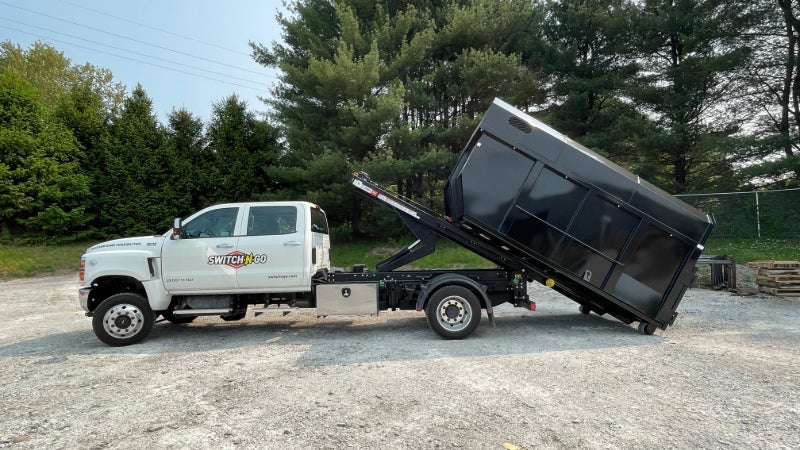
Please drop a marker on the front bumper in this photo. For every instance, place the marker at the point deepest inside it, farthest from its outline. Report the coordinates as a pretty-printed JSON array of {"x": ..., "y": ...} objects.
[{"x": 83, "y": 298}]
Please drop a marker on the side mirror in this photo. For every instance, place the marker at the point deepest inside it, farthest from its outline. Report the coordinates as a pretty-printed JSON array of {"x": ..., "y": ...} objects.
[{"x": 176, "y": 229}]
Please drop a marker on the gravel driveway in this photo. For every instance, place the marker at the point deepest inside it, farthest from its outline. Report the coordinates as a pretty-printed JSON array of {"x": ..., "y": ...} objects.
[{"x": 725, "y": 375}]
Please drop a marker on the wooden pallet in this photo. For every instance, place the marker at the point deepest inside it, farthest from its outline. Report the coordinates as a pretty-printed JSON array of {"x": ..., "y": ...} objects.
[
  {"x": 781, "y": 292},
  {"x": 774, "y": 264},
  {"x": 781, "y": 278},
  {"x": 779, "y": 284},
  {"x": 790, "y": 278},
  {"x": 778, "y": 272}
]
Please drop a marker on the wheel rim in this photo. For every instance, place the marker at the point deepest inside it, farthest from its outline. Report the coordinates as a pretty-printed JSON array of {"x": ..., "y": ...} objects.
[
  {"x": 454, "y": 313},
  {"x": 123, "y": 321}
]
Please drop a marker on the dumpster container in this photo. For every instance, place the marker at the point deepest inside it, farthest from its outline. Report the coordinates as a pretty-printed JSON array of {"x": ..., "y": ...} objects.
[{"x": 608, "y": 239}]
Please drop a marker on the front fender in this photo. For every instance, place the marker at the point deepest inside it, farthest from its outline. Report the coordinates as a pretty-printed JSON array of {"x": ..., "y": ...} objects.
[
  {"x": 135, "y": 264},
  {"x": 157, "y": 296}
]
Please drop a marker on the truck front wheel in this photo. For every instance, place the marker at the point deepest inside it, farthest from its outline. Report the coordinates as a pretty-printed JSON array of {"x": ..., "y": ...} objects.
[
  {"x": 122, "y": 319},
  {"x": 453, "y": 312}
]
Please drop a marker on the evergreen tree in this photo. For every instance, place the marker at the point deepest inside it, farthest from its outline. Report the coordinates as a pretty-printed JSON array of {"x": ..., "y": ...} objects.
[
  {"x": 774, "y": 80},
  {"x": 193, "y": 159},
  {"x": 244, "y": 150},
  {"x": 133, "y": 187},
  {"x": 54, "y": 76},
  {"x": 691, "y": 53},
  {"x": 394, "y": 88},
  {"x": 41, "y": 187},
  {"x": 589, "y": 56}
]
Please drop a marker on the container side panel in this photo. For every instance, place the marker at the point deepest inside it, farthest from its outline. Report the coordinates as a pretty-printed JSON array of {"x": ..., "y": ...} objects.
[
  {"x": 648, "y": 267},
  {"x": 584, "y": 262},
  {"x": 672, "y": 213},
  {"x": 542, "y": 144},
  {"x": 491, "y": 180},
  {"x": 598, "y": 236},
  {"x": 603, "y": 226},
  {"x": 553, "y": 199},
  {"x": 598, "y": 172},
  {"x": 533, "y": 233}
]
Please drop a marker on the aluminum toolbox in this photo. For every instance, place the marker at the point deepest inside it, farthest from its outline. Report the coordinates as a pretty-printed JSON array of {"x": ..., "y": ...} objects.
[
  {"x": 611, "y": 241},
  {"x": 347, "y": 299}
]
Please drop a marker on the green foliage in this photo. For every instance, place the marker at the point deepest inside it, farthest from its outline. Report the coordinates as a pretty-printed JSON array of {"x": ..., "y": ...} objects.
[
  {"x": 744, "y": 250},
  {"x": 135, "y": 175},
  {"x": 194, "y": 161},
  {"x": 42, "y": 190},
  {"x": 54, "y": 76},
  {"x": 391, "y": 88},
  {"x": 588, "y": 53},
  {"x": 692, "y": 95},
  {"x": 242, "y": 150},
  {"x": 692, "y": 51}
]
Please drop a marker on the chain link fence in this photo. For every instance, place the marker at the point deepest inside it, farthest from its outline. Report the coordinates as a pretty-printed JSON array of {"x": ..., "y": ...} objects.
[{"x": 767, "y": 214}]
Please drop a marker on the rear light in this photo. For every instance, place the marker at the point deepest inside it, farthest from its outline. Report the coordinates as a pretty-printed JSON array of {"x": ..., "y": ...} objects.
[{"x": 82, "y": 270}]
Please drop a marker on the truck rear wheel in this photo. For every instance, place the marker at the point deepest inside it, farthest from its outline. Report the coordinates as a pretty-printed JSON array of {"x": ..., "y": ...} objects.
[
  {"x": 453, "y": 312},
  {"x": 122, "y": 319}
]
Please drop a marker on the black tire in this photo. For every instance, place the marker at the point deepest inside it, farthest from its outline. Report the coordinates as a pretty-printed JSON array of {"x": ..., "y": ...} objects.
[
  {"x": 170, "y": 317},
  {"x": 647, "y": 328},
  {"x": 453, "y": 312},
  {"x": 122, "y": 319},
  {"x": 584, "y": 309}
]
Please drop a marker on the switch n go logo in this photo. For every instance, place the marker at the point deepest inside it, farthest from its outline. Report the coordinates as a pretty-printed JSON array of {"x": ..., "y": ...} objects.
[{"x": 237, "y": 259}]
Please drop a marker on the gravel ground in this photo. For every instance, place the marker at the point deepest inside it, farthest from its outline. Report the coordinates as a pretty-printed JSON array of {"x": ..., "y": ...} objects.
[{"x": 725, "y": 375}]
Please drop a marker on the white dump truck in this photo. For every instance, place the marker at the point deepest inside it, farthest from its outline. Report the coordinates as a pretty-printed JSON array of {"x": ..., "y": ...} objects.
[{"x": 540, "y": 206}]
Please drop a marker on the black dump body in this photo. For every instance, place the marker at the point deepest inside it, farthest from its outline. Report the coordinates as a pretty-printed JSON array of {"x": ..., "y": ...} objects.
[{"x": 609, "y": 240}]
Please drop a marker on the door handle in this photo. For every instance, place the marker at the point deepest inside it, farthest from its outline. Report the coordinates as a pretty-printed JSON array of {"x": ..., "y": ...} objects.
[
  {"x": 292, "y": 243},
  {"x": 225, "y": 245}
]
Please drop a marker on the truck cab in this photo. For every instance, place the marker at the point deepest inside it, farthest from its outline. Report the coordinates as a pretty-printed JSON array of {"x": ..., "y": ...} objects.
[
  {"x": 215, "y": 262},
  {"x": 246, "y": 248}
]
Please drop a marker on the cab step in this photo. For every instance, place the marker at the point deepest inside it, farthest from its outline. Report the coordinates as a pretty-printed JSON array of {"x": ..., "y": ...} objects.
[
  {"x": 285, "y": 310},
  {"x": 202, "y": 312}
]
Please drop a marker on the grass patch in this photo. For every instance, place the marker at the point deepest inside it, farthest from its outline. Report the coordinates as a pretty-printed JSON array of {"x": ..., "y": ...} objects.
[
  {"x": 745, "y": 250},
  {"x": 447, "y": 256},
  {"x": 21, "y": 261}
]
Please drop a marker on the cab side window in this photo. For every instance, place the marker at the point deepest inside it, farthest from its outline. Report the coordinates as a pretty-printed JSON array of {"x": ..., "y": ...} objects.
[
  {"x": 319, "y": 223},
  {"x": 271, "y": 220},
  {"x": 215, "y": 223}
]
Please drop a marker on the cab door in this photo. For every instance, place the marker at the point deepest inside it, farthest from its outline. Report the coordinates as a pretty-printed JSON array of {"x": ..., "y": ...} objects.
[
  {"x": 204, "y": 258},
  {"x": 276, "y": 247}
]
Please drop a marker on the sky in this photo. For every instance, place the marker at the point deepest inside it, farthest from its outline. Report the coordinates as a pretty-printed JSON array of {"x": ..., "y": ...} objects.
[{"x": 185, "y": 53}]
